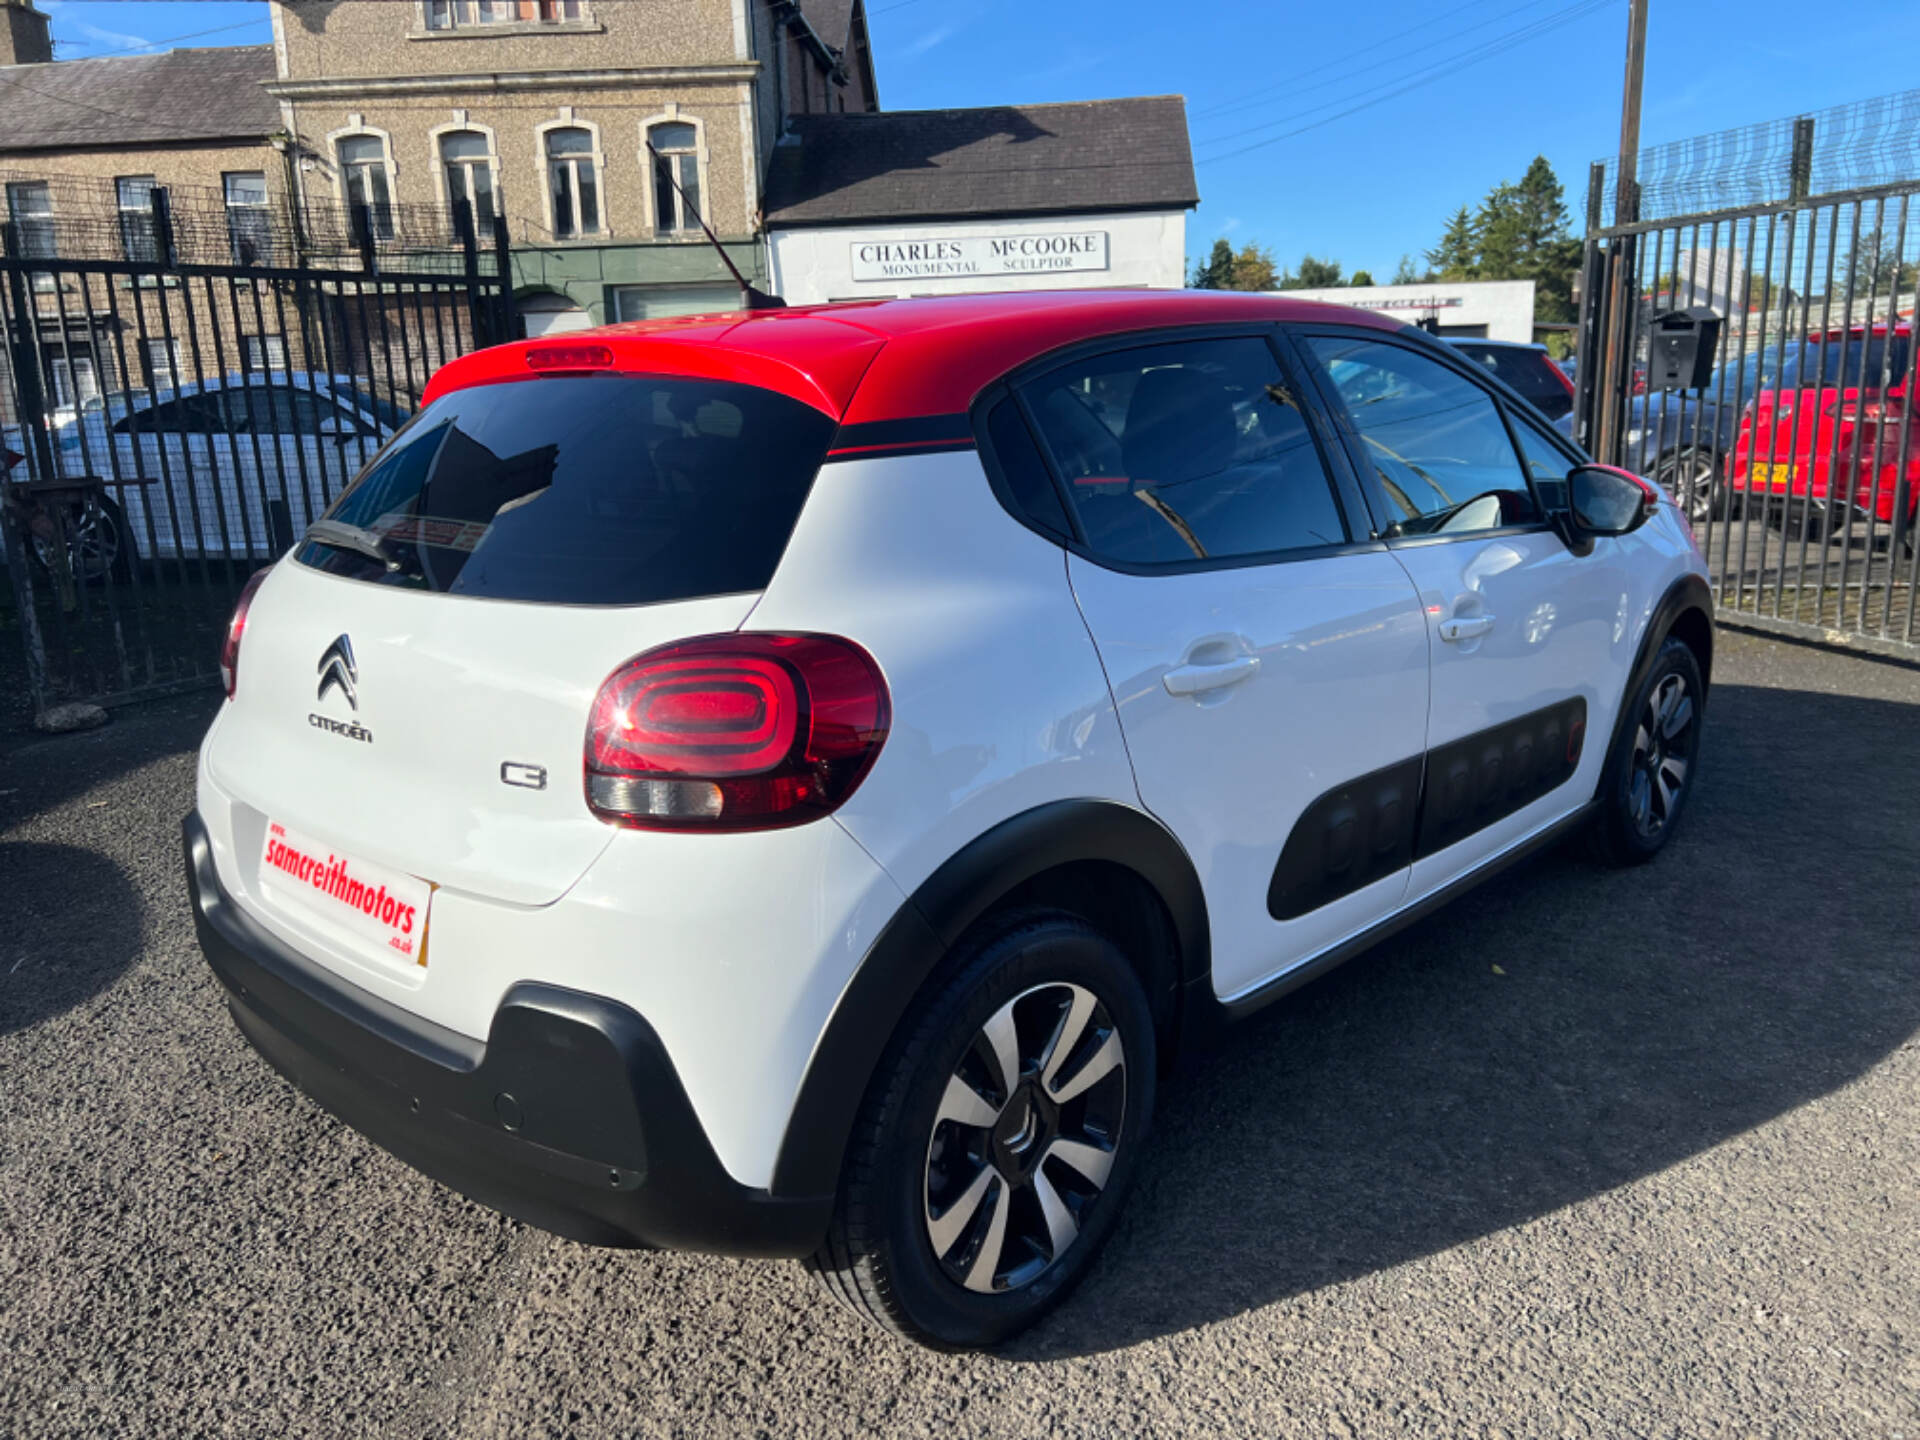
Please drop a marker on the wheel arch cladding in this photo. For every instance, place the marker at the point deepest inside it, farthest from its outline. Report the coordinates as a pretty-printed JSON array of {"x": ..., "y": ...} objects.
[
  {"x": 1068, "y": 850},
  {"x": 1684, "y": 612}
]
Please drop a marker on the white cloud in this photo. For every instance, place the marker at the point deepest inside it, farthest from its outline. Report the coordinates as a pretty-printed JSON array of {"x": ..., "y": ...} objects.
[{"x": 936, "y": 36}]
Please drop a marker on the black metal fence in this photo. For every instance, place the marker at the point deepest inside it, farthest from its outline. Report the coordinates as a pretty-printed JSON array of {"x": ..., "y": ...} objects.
[
  {"x": 1795, "y": 446},
  {"x": 170, "y": 425}
]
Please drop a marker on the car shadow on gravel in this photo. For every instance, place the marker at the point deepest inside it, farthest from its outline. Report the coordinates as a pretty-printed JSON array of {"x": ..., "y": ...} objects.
[
  {"x": 40, "y": 773},
  {"x": 1560, "y": 1033},
  {"x": 74, "y": 924}
]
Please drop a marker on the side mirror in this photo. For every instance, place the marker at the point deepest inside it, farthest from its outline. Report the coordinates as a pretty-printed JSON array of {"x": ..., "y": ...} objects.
[{"x": 1603, "y": 500}]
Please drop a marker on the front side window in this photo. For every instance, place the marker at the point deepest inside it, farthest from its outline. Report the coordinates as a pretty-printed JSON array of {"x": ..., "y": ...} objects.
[
  {"x": 363, "y": 171},
  {"x": 1434, "y": 440},
  {"x": 30, "y": 208},
  {"x": 137, "y": 239},
  {"x": 264, "y": 352},
  {"x": 468, "y": 14},
  {"x": 1197, "y": 450},
  {"x": 468, "y": 159},
  {"x": 675, "y": 154},
  {"x": 1547, "y": 465},
  {"x": 75, "y": 380},
  {"x": 573, "y": 182},
  {"x": 162, "y": 357},
  {"x": 249, "y": 224}
]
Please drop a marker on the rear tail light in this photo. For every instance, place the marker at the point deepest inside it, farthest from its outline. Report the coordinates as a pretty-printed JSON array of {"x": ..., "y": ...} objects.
[
  {"x": 236, "y": 627},
  {"x": 734, "y": 732},
  {"x": 9, "y": 459}
]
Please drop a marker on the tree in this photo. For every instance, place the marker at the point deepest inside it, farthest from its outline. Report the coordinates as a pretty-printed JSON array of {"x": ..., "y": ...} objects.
[
  {"x": 1253, "y": 269},
  {"x": 1457, "y": 256},
  {"x": 1875, "y": 268},
  {"x": 1315, "y": 274},
  {"x": 1518, "y": 232},
  {"x": 1361, "y": 277},
  {"x": 1216, "y": 271},
  {"x": 1404, "y": 273}
]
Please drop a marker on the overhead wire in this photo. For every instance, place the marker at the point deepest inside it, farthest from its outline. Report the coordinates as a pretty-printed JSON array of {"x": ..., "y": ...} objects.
[{"x": 1392, "y": 89}]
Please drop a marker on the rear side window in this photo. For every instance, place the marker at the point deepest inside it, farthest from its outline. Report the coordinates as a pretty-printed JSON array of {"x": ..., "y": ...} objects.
[
  {"x": 1029, "y": 485},
  {"x": 599, "y": 490},
  {"x": 1196, "y": 450}
]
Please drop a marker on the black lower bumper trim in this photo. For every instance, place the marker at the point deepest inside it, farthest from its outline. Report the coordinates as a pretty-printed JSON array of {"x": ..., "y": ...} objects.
[{"x": 570, "y": 1117}]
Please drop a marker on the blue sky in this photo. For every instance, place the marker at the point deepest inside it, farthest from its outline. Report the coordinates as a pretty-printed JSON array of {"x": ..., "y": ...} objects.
[{"x": 1363, "y": 188}]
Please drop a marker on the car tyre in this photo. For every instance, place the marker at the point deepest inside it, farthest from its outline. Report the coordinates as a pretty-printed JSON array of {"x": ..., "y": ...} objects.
[
  {"x": 1692, "y": 477},
  {"x": 971, "y": 1204},
  {"x": 1655, "y": 761}
]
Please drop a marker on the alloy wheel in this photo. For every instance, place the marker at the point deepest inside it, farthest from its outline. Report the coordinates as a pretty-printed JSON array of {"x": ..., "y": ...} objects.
[
  {"x": 1693, "y": 479},
  {"x": 1662, "y": 756},
  {"x": 1025, "y": 1138}
]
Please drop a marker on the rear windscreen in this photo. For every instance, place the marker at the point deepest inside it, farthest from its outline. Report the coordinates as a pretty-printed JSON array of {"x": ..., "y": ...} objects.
[
  {"x": 1531, "y": 372},
  {"x": 583, "y": 490}
]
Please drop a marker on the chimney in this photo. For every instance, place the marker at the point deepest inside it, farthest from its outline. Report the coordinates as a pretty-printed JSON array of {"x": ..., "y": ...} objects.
[{"x": 26, "y": 35}]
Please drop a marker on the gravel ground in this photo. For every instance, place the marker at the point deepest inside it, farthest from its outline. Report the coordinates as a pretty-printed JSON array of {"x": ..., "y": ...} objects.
[{"x": 1587, "y": 1154}]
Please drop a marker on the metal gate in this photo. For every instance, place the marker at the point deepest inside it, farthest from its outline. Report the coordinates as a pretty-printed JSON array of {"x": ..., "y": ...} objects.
[
  {"x": 167, "y": 427},
  {"x": 1798, "y": 458}
]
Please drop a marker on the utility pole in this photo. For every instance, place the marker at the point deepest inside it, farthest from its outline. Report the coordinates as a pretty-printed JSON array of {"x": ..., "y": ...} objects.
[{"x": 1626, "y": 210}]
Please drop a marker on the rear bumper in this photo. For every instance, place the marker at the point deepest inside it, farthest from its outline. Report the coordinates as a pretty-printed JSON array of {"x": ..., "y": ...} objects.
[{"x": 570, "y": 1116}]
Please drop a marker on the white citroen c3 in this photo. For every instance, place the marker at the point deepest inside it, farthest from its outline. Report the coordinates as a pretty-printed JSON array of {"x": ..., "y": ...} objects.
[{"x": 786, "y": 783}]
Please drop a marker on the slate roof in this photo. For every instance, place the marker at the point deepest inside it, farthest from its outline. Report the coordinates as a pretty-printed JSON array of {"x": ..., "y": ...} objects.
[
  {"x": 1094, "y": 155},
  {"x": 832, "y": 20},
  {"x": 210, "y": 93}
]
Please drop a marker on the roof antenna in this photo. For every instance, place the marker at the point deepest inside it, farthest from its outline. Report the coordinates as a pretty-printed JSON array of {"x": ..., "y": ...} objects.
[{"x": 757, "y": 299}]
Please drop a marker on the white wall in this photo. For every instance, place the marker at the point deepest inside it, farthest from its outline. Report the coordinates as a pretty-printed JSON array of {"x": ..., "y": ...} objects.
[
  {"x": 816, "y": 264},
  {"x": 1505, "y": 307}
]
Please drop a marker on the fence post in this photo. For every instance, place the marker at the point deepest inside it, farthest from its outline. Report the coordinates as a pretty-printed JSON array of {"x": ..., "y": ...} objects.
[
  {"x": 160, "y": 217},
  {"x": 503, "y": 272},
  {"x": 1800, "y": 165},
  {"x": 16, "y": 313},
  {"x": 469, "y": 266},
  {"x": 360, "y": 224},
  {"x": 1590, "y": 340}
]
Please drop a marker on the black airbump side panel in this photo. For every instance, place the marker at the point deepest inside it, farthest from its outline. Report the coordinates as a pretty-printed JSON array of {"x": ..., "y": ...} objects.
[
  {"x": 1484, "y": 777},
  {"x": 1349, "y": 837}
]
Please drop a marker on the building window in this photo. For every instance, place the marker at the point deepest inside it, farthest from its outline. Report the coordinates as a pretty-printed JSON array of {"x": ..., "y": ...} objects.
[
  {"x": 465, "y": 14},
  {"x": 162, "y": 364},
  {"x": 573, "y": 182},
  {"x": 137, "y": 240},
  {"x": 676, "y": 158},
  {"x": 261, "y": 353},
  {"x": 30, "y": 207},
  {"x": 468, "y": 158},
  {"x": 75, "y": 381},
  {"x": 249, "y": 227},
  {"x": 363, "y": 174}
]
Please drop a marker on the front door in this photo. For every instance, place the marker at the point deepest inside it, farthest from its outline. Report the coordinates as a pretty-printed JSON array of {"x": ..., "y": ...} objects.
[
  {"x": 1269, "y": 668},
  {"x": 1527, "y": 637}
]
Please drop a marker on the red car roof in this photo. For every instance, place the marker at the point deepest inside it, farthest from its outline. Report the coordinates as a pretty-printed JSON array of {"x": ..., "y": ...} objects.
[{"x": 871, "y": 360}]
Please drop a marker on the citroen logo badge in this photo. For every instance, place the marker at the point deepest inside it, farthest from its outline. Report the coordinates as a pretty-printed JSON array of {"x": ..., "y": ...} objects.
[{"x": 338, "y": 672}]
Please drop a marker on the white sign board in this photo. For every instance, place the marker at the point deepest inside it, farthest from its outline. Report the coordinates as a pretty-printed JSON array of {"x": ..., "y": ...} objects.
[{"x": 965, "y": 255}]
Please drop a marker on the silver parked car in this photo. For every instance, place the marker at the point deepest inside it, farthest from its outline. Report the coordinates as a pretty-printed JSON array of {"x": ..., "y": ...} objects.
[{"x": 198, "y": 469}]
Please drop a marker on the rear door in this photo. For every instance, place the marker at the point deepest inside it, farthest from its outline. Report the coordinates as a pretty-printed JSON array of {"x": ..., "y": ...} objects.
[
  {"x": 1269, "y": 661},
  {"x": 1529, "y": 641},
  {"x": 541, "y": 532}
]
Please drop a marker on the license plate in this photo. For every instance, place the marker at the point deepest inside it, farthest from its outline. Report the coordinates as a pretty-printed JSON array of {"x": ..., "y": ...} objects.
[
  {"x": 383, "y": 910},
  {"x": 1776, "y": 477}
]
